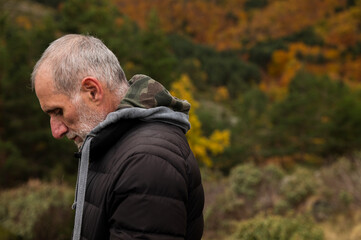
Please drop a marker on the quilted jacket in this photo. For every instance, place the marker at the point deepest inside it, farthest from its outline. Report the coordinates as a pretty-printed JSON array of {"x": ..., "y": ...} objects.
[{"x": 143, "y": 181}]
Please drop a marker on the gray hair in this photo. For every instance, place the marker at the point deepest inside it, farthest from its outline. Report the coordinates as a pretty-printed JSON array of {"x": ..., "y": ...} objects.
[{"x": 73, "y": 57}]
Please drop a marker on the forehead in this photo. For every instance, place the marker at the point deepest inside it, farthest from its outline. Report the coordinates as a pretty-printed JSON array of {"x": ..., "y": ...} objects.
[
  {"x": 48, "y": 97},
  {"x": 44, "y": 79}
]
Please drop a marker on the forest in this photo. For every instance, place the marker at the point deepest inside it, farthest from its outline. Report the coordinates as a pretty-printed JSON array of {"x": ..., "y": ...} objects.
[{"x": 275, "y": 89}]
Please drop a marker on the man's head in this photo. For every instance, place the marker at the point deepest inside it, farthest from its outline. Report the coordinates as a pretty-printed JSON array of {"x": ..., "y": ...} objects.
[{"x": 78, "y": 81}]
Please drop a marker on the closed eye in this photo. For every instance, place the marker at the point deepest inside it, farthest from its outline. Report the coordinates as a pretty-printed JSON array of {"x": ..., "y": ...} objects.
[{"x": 55, "y": 112}]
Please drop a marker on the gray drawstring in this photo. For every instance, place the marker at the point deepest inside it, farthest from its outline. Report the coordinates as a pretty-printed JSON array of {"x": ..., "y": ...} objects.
[{"x": 81, "y": 189}]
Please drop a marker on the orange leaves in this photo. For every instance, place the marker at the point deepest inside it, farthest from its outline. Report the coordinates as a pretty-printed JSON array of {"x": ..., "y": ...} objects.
[
  {"x": 319, "y": 60},
  {"x": 342, "y": 30},
  {"x": 227, "y": 25},
  {"x": 282, "y": 18},
  {"x": 205, "y": 21}
]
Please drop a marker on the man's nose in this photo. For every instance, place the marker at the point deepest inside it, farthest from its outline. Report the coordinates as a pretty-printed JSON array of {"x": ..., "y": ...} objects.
[{"x": 58, "y": 129}]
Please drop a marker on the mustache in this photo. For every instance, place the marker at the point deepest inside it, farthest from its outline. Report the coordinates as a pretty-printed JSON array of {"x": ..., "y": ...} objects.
[{"x": 71, "y": 135}]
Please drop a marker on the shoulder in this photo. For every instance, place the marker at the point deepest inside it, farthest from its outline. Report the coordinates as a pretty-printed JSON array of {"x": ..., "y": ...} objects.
[
  {"x": 157, "y": 145},
  {"x": 154, "y": 137}
]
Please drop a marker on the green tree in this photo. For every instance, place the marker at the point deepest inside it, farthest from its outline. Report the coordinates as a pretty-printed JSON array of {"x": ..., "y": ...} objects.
[
  {"x": 300, "y": 121},
  {"x": 223, "y": 68},
  {"x": 156, "y": 58},
  {"x": 345, "y": 129},
  {"x": 92, "y": 17},
  {"x": 27, "y": 148}
]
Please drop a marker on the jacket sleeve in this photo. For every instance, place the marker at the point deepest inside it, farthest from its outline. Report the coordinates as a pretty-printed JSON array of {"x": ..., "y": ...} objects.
[{"x": 148, "y": 200}]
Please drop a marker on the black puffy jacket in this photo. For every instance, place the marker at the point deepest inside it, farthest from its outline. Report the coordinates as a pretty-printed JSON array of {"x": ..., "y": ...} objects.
[{"x": 143, "y": 183}]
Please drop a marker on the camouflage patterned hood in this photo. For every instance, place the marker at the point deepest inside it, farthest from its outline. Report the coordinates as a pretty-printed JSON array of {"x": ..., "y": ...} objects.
[
  {"x": 148, "y": 100},
  {"x": 145, "y": 92}
]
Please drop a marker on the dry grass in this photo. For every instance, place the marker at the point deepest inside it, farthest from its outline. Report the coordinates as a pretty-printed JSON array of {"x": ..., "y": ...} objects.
[{"x": 343, "y": 226}]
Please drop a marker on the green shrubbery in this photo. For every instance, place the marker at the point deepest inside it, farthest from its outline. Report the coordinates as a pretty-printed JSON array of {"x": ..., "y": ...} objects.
[
  {"x": 252, "y": 190},
  {"x": 297, "y": 187},
  {"x": 270, "y": 187},
  {"x": 37, "y": 211},
  {"x": 244, "y": 180},
  {"x": 277, "y": 228}
]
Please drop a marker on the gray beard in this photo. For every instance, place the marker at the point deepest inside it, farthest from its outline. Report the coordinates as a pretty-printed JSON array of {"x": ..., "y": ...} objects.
[{"x": 88, "y": 120}]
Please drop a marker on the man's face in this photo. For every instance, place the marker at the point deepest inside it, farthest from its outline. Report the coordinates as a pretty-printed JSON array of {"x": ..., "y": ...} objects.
[{"x": 72, "y": 118}]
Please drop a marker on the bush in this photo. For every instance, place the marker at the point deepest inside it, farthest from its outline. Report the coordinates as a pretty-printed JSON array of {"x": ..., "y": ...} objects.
[
  {"x": 23, "y": 207},
  {"x": 341, "y": 183},
  {"x": 244, "y": 179},
  {"x": 277, "y": 228},
  {"x": 298, "y": 186},
  {"x": 269, "y": 189}
]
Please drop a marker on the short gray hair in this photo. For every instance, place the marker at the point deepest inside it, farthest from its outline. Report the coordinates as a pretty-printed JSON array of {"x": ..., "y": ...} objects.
[{"x": 73, "y": 57}]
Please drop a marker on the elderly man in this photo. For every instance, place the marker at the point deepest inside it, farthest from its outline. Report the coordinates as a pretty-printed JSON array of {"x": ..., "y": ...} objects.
[{"x": 138, "y": 178}]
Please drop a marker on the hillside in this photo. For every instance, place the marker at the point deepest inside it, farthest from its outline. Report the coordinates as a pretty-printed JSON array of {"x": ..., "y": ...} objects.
[{"x": 280, "y": 36}]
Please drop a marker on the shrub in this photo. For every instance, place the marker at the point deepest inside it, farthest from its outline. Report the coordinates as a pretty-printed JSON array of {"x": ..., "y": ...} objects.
[
  {"x": 277, "y": 228},
  {"x": 269, "y": 189},
  {"x": 244, "y": 179},
  {"x": 23, "y": 207},
  {"x": 341, "y": 183},
  {"x": 298, "y": 186}
]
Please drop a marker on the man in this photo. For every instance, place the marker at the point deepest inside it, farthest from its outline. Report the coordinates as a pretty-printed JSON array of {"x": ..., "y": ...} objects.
[{"x": 138, "y": 178}]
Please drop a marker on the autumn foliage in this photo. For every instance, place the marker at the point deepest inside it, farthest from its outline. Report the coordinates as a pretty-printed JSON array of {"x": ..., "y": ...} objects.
[
  {"x": 274, "y": 85},
  {"x": 239, "y": 63},
  {"x": 201, "y": 145}
]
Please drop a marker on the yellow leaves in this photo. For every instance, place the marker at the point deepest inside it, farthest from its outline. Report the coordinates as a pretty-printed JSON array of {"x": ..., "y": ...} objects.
[
  {"x": 279, "y": 61},
  {"x": 183, "y": 89},
  {"x": 201, "y": 145},
  {"x": 218, "y": 141}
]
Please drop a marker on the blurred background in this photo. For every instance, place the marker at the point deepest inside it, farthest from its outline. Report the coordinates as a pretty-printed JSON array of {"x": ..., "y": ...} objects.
[{"x": 275, "y": 88}]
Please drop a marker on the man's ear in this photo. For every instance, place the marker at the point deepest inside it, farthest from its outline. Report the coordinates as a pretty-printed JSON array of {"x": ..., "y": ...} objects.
[{"x": 92, "y": 89}]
